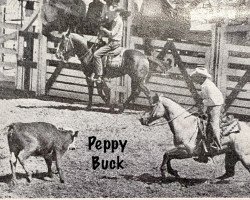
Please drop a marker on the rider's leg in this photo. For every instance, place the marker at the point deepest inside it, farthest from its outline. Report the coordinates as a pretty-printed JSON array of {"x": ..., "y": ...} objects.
[
  {"x": 215, "y": 112},
  {"x": 98, "y": 59}
]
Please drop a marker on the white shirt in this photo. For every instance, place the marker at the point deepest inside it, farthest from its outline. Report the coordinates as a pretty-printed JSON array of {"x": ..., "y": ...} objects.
[
  {"x": 211, "y": 95},
  {"x": 117, "y": 29}
]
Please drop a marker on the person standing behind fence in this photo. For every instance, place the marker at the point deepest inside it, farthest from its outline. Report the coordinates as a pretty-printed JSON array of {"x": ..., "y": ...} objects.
[
  {"x": 114, "y": 35},
  {"x": 94, "y": 16},
  {"x": 212, "y": 99}
]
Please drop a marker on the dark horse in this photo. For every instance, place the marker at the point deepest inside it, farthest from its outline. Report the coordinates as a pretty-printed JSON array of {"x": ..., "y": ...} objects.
[
  {"x": 187, "y": 140},
  {"x": 134, "y": 63}
]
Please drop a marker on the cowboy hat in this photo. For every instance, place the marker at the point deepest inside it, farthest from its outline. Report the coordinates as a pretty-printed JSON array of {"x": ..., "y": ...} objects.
[{"x": 200, "y": 71}]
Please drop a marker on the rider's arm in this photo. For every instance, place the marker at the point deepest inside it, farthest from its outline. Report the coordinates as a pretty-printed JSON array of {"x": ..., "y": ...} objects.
[{"x": 117, "y": 27}]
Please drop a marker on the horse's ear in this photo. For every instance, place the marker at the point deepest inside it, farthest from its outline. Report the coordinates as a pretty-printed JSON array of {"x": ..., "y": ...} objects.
[
  {"x": 155, "y": 98},
  {"x": 67, "y": 32}
]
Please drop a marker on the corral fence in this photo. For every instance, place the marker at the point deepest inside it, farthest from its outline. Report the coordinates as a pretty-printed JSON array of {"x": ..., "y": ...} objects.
[{"x": 37, "y": 70}]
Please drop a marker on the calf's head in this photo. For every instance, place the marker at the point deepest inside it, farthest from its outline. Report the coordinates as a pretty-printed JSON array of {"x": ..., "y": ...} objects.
[{"x": 72, "y": 137}]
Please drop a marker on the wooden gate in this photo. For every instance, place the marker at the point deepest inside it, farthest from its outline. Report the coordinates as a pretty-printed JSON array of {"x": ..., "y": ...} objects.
[
  {"x": 176, "y": 84},
  {"x": 234, "y": 78}
]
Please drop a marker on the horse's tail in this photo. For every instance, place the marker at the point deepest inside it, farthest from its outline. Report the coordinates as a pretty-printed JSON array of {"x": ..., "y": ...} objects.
[
  {"x": 154, "y": 63},
  {"x": 6, "y": 129}
]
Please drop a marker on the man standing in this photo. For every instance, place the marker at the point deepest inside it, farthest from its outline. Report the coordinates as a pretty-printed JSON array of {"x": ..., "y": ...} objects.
[
  {"x": 94, "y": 16},
  {"x": 114, "y": 35},
  {"x": 212, "y": 99}
]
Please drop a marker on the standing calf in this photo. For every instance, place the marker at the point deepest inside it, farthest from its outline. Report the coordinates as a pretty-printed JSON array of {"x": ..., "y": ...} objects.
[{"x": 38, "y": 139}]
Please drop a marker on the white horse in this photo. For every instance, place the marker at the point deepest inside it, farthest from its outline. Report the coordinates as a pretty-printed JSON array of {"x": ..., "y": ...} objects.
[{"x": 187, "y": 138}]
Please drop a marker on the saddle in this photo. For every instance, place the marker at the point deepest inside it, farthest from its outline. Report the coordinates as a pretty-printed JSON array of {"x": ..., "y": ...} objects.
[
  {"x": 228, "y": 125},
  {"x": 113, "y": 59}
]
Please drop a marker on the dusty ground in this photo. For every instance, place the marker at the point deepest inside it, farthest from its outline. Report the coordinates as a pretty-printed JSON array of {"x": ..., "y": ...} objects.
[{"x": 142, "y": 157}]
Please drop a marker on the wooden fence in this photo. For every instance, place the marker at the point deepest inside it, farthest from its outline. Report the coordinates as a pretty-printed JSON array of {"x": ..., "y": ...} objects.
[
  {"x": 68, "y": 81},
  {"x": 174, "y": 84},
  {"x": 235, "y": 78}
]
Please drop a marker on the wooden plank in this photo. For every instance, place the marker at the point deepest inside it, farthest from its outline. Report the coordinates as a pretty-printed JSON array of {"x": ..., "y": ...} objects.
[
  {"x": 20, "y": 70},
  {"x": 182, "y": 46},
  {"x": 231, "y": 84},
  {"x": 159, "y": 88},
  {"x": 33, "y": 35},
  {"x": 6, "y": 37},
  {"x": 196, "y": 60},
  {"x": 241, "y": 103},
  {"x": 142, "y": 100},
  {"x": 8, "y": 65},
  {"x": 70, "y": 87},
  {"x": 167, "y": 81},
  {"x": 27, "y": 63},
  {"x": 10, "y": 25},
  {"x": 238, "y": 60},
  {"x": 238, "y": 28},
  {"x": 237, "y": 110},
  {"x": 69, "y": 79},
  {"x": 67, "y": 72},
  {"x": 243, "y": 94},
  {"x": 235, "y": 92},
  {"x": 7, "y": 51},
  {"x": 238, "y": 48},
  {"x": 41, "y": 65},
  {"x": 53, "y": 78},
  {"x": 235, "y": 72}
]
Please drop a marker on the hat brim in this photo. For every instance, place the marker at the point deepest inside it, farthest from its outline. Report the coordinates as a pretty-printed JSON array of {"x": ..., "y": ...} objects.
[{"x": 196, "y": 74}]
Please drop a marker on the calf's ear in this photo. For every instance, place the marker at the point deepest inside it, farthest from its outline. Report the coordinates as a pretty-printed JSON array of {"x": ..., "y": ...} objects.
[{"x": 76, "y": 134}]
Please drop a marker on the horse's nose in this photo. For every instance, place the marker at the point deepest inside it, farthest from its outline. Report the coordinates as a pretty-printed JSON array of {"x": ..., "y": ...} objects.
[
  {"x": 143, "y": 121},
  {"x": 58, "y": 55}
]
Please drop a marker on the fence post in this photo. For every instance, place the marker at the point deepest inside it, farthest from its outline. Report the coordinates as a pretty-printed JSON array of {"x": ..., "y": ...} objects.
[
  {"x": 221, "y": 75},
  {"x": 42, "y": 54},
  {"x": 41, "y": 65}
]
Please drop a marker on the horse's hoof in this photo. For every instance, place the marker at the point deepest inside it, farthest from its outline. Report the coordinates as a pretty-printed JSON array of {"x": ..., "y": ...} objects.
[
  {"x": 88, "y": 108},
  {"x": 225, "y": 176},
  {"x": 112, "y": 109},
  {"x": 121, "y": 108},
  {"x": 13, "y": 182},
  {"x": 175, "y": 173},
  {"x": 48, "y": 179},
  {"x": 163, "y": 175}
]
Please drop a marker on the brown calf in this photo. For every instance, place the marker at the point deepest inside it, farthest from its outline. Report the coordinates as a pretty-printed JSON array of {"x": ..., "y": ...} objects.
[{"x": 38, "y": 139}]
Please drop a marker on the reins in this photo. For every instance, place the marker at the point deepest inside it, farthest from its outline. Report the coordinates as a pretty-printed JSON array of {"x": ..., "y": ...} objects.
[{"x": 168, "y": 121}]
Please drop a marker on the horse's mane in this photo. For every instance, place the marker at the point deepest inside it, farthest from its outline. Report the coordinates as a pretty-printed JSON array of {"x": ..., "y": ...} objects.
[
  {"x": 171, "y": 104},
  {"x": 79, "y": 39}
]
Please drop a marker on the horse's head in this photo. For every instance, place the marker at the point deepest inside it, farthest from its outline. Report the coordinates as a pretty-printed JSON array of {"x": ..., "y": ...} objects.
[
  {"x": 65, "y": 48},
  {"x": 157, "y": 111}
]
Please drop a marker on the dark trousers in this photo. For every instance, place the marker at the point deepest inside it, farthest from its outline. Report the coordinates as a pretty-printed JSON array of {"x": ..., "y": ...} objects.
[{"x": 101, "y": 52}]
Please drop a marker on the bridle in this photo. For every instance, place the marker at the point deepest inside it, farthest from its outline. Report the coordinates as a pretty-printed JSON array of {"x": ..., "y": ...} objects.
[
  {"x": 71, "y": 45},
  {"x": 168, "y": 121}
]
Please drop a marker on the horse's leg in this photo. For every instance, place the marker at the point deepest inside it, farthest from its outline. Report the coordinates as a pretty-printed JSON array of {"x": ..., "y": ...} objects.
[
  {"x": 100, "y": 90},
  {"x": 175, "y": 153},
  {"x": 145, "y": 90},
  {"x": 231, "y": 158},
  {"x": 134, "y": 93},
  {"x": 90, "y": 89}
]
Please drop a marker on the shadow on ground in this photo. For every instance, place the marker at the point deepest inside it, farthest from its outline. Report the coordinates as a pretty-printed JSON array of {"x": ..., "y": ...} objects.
[
  {"x": 7, "y": 178},
  {"x": 149, "y": 179}
]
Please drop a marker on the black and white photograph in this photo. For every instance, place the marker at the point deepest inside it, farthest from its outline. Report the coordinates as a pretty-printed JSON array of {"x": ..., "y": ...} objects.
[{"x": 124, "y": 99}]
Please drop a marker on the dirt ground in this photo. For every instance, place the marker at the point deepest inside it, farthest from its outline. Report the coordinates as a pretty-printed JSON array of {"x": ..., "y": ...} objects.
[{"x": 142, "y": 158}]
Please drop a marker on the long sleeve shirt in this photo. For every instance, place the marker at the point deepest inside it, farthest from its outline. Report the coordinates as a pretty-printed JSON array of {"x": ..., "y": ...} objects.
[
  {"x": 116, "y": 29},
  {"x": 211, "y": 95}
]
